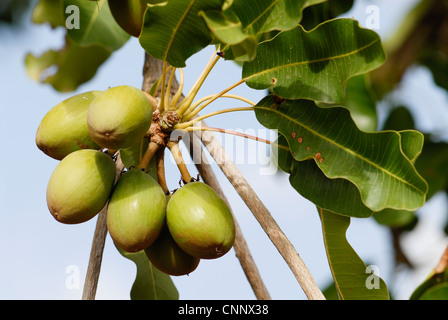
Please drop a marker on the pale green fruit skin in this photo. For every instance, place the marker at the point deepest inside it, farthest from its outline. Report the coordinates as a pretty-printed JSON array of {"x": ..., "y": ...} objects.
[
  {"x": 136, "y": 211},
  {"x": 166, "y": 256},
  {"x": 200, "y": 221},
  {"x": 80, "y": 186},
  {"x": 119, "y": 117},
  {"x": 64, "y": 128}
]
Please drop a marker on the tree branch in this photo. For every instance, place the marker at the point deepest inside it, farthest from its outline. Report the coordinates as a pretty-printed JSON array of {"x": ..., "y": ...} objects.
[{"x": 263, "y": 216}]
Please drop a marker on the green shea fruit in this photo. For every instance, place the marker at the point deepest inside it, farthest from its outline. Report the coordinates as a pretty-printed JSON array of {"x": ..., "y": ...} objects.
[
  {"x": 200, "y": 221},
  {"x": 166, "y": 256},
  {"x": 136, "y": 211},
  {"x": 129, "y": 14},
  {"x": 64, "y": 128},
  {"x": 80, "y": 186},
  {"x": 119, "y": 117}
]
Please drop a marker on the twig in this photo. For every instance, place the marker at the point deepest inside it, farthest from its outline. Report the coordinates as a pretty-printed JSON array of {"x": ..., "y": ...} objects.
[
  {"x": 241, "y": 248},
  {"x": 263, "y": 216},
  {"x": 149, "y": 153},
  {"x": 99, "y": 239}
]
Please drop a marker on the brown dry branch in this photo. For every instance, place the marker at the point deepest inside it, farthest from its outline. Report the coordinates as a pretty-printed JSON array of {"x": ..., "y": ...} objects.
[{"x": 263, "y": 216}]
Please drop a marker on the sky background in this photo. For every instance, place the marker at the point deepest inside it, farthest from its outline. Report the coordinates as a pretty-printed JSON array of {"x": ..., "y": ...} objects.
[{"x": 39, "y": 254}]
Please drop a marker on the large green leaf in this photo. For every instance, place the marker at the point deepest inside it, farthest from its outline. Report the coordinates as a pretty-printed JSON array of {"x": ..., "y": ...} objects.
[
  {"x": 353, "y": 280},
  {"x": 173, "y": 31},
  {"x": 240, "y": 26},
  {"x": 336, "y": 195},
  {"x": 314, "y": 64},
  {"x": 67, "y": 68},
  {"x": 373, "y": 162},
  {"x": 150, "y": 283},
  {"x": 97, "y": 26}
]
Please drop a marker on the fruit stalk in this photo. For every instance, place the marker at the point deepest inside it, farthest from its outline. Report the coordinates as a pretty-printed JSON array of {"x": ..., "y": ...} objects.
[
  {"x": 184, "y": 125},
  {"x": 177, "y": 155},
  {"x": 149, "y": 153},
  {"x": 160, "y": 163}
]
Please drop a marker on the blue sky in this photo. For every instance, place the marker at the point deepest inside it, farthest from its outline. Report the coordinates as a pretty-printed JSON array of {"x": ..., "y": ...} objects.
[{"x": 38, "y": 251}]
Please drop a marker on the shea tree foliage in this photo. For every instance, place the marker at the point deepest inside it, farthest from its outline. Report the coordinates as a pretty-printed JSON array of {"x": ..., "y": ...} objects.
[{"x": 323, "y": 77}]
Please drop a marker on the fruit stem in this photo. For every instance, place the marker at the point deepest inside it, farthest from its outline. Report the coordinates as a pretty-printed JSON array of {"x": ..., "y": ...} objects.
[
  {"x": 184, "y": 106},
  {"x": 216, "y": 96},
  {"x": 178, "y": 94},
  {"x": 160, "y": 163},
  {"x": 168, "y": 90},
  {"x": 177, "y": 155},
  {"x": 149, "y": 153},
  {"x": 162, "y": 94},
  {"x": 196, "y": 109},
  {"x": 191, "y": 122}
]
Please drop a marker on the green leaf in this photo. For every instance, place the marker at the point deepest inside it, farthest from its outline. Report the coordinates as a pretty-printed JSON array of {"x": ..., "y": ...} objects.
[
  {"x": 150, "y": 283},
  {"x": 336, "y": 195},
  {"x": 399, "y": 118},
  {"x": 228, "y": 31},
  {"x": 432, "y": 164},
  {"x": 97, "y": 26},
  {"x": 353, "y": 279},
  {"x": 361, "y": 103},
  {"x": 439, "y": 292},
  {"x": 240, "y": 29},
  {"x": 373, "y": 162},
  {"x": 316, "y": 64},
  {"x": 49, "y": 11},
  {"x": 395, "y": 218},
  {"x": 174, "y": 31},
  {"x": 67, "y": 68},
  {"x": 330, "y": 9}
]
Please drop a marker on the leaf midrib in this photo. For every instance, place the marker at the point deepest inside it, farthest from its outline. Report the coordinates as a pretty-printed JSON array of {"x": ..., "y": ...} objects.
[
  {"x": 342, "y": 147},
  {"x": 176, "y": 28},
  {"x": 262, "y": 14},
  {"x": 313, "y": 61},
  {"x": 92, "y": 20}
]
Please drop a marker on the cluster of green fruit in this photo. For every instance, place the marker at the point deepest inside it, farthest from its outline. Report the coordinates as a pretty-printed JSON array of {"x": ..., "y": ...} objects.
[{"x": 86, "y": 132}]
